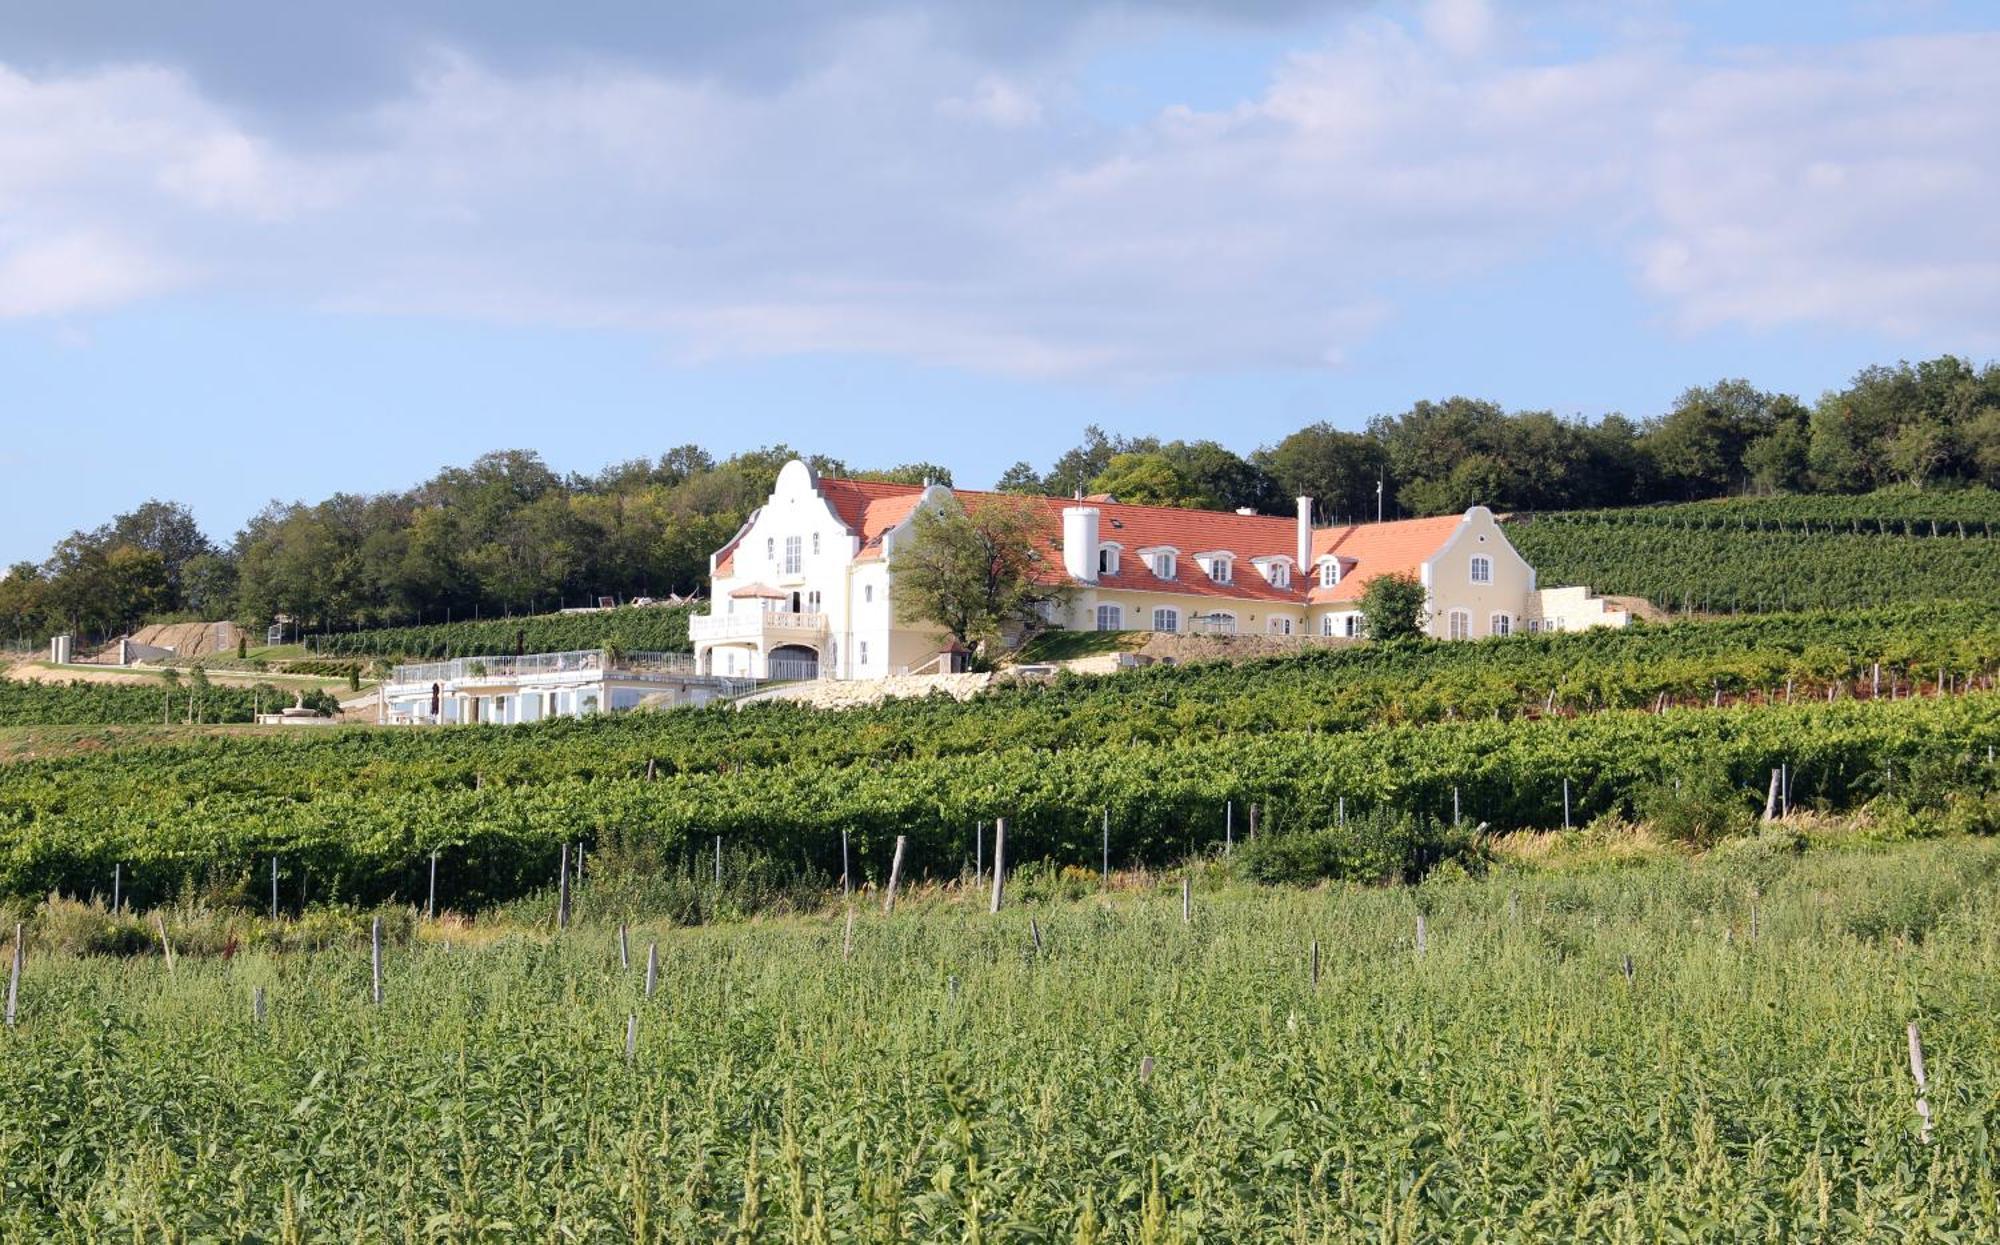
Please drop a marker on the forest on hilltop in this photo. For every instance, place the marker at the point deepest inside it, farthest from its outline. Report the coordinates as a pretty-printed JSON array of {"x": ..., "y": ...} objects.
[{"x": 508, "y": 534}]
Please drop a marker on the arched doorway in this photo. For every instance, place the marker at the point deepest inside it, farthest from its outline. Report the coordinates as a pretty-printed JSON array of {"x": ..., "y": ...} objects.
[{"x": 792, "y": 661}]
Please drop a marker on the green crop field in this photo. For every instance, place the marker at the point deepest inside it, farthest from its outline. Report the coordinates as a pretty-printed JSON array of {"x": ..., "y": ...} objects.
[
  {"x": 80, "y": 703},
  {"x": 1133, "y": 1078},
  {"x": 634, "y": 628},
  {"x": 1753, "y": 555},
  {"x": 1523, "y": 732}
]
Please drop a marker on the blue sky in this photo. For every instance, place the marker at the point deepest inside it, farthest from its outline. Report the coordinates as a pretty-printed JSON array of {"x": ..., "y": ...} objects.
[{"x": 246, "y": 255}]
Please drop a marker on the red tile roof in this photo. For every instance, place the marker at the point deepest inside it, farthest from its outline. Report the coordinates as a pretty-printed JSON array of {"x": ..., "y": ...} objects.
[
  {"x": 870, "y": 509},
  {"x": 1377, "y": 549}
]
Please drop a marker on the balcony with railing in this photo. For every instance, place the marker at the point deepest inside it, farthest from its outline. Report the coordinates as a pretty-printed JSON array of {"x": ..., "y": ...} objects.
[{"x": 769, "y": 626}]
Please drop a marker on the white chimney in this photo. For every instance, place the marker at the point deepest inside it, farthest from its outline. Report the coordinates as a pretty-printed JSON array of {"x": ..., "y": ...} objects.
[
  {"x": 1080, "y": 542},
  {"x": 1305, "y": 534}
]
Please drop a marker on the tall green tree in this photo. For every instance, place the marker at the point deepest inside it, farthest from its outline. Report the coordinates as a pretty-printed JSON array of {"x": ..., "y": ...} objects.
[
  {"x": 973, "y": 572},
  {"x": 1151, "y": 480},
  {"x": 1337, "y": 469}
]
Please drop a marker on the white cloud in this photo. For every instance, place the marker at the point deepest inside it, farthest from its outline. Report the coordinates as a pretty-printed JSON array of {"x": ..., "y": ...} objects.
[
  {"x": 904, "y": 198},
  {"x": 63, "y": 274}
]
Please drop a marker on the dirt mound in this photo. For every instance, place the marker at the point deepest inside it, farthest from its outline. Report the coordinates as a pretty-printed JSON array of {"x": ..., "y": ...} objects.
[{"x": 190, "y": 639}]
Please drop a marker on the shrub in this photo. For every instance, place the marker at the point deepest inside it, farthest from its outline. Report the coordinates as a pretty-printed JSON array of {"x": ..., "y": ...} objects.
[
  {"x": 77, "y": 928},
  {"x": 1378, "y": 845},
  {"x": 1700, "y": 808}
]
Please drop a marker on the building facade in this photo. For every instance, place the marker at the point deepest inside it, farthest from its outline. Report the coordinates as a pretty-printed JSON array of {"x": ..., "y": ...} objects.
[
  {"x": 506, "y": 691},
  {"x": 806, "y": 587}
]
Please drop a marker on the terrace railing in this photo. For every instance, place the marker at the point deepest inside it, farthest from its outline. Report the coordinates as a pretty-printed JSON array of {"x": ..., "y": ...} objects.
[{"x": 535, "y": 665}]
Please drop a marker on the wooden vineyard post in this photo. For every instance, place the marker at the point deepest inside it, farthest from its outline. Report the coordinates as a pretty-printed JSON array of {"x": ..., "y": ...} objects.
[
  {"x": 1315, "y": 964},
  {"x": 1035, "y": 934},
  {"x": 1875, "y": 686},
  {"x": 1145, "y": 1070},
  {"x": 562, "y": 890},
  {"x": 375, "y": 961},
  {"x": 631, "y": 1036},
  {"x": 1253, "y": 820},
  {"x": 1342, "y": 816},
  {"x": 624, "y": 948},
  {"x": 846, "y": 878},
  {"x": 117, "y": 881},
  {"x": 847, "y": 939},
  {"x": 1565, "y": 803},
  {"x": 431, "y": 901},
  {"x": 652, "y": 967},
  {"x": 274, "y": 888},
  {"x": 257, "y": 1005},
  {"x": 1923, "y": 1085},
  {"x": 1228, "y": 826},
  {"x": 1104, "y": 872},
  {"x": 166, "y": 948},
  {"x": 1454, "y": 806},
  {"x": 895, "y": 875},
  {"x": 718, "y": 862},
  {"x": 999, "y": 862},
  {"x": 1187, "y": 900},
  {"x": 1771, "y": 798},
  {"x": 978, "y": 852},
  {"x": 1423, "y": 935},
  {"x": 14, "y": 977}
]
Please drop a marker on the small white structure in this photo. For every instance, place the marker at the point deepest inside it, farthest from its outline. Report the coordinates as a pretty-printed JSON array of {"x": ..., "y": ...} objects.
[{"x": 510, "y": 690}]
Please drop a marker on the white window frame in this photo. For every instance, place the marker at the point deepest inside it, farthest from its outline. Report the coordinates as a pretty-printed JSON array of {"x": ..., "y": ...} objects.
[
  {"x": 1163, "y": 565},
  {"x": 1107, "y": 559},
  {"x": 1329, "y": 572},
  {"x": 1354, "y": 626},
  {"x": 794, "y": 555},
  {"x": 1278, "y": 574},
  {"x": 1480, "y": 569},
  {"x": 1221, "y": 569},
  {"x": 1326, "y": 625},
  {"x": 1166, "y": 618},
  {"x": 861, "y": 654},
  {"x": 1458, "y": 624},
  {"x": 1534, "y": 626},
  {"x": 813, "y": 601},
  {"x": 1278, "y": 624},
  {"x": 1500, "y": 624},
  {"x": 1114, "y": 614}
]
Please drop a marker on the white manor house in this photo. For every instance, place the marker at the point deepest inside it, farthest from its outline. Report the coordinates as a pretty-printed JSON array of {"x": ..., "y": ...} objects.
[{"x": 807, "y": 588}]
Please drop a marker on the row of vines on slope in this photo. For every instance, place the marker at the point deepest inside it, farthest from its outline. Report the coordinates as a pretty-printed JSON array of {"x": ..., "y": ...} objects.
[
  {"x": 1729, "y": 570},
  {"x": 363, "y": 823},
  {"x": 647, "y": 628}
]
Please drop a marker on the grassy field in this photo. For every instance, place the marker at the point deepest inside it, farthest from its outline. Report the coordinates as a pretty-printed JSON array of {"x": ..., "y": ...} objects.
[{"x": 1133, "y": 1078}]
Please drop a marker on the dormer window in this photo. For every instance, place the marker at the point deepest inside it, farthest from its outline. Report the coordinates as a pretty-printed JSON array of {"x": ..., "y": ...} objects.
[
  {"x": 1220, "y": 567},
  {"x": 1329, "y": 572},
  {"x": 1107, "y": 559},
  {"x": 1162, "y": 562},
  {"x": 1279, "y": 574}
]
